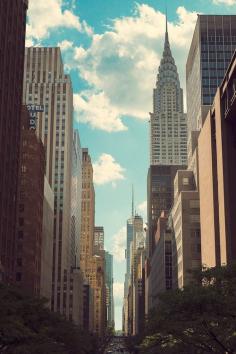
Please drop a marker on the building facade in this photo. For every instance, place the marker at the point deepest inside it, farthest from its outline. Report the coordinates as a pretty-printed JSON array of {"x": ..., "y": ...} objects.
[
  {"x": 46, "y": 84},
  {"x": 161, "y": 262},
  {"x": 160, "y": 193},
  {"x": 76, "y": 196},
  {"x": 213, "y": 44},
  {"x": 30, "y": 209},
  {"x": 12, "y": 44},
  {"x": 168, "y": 123},
  {"x": 98, "y": 239},
  {"x": 109, "y": 285},
  {"x": 88, "y": 210},
  {"x": 217, "y": 173},
  {"x": 186, "y": 227},
  {"x": 47, "y": 243}
]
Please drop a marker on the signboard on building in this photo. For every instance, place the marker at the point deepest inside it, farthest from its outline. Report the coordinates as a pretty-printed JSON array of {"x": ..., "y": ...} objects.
[{"x": 33, "y": 109}]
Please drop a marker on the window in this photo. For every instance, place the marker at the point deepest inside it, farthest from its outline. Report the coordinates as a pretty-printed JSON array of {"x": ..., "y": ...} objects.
[
  {"x": 195, "y": 218},
  {"x": 19, "y": 262},
  {"x": 18, "y": 276},
  {"x": 20, "y": 234},
  {"x": 194, "y": 203},
  {"x": 21, "y": 221},
  {"x": 185, "y": 181}
]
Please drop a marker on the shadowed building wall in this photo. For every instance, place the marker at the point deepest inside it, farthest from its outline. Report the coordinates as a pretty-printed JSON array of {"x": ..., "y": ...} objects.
[
  {"x": 12, "y": 44},
  {"x": 217, "y": 175}
]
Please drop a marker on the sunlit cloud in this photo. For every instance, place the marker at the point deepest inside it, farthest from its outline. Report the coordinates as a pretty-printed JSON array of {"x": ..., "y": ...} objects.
[
  {"x": 121, "y": 64},
  {"x": 46, "y": 16},
  {"x": 119, "y": 244},
  {"x": 107, "y": 170},
  {"x": 225, "y": 2}
]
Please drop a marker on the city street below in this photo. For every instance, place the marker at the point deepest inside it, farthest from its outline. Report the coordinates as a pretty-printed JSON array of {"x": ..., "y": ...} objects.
[{"x": 117, "y": 346}]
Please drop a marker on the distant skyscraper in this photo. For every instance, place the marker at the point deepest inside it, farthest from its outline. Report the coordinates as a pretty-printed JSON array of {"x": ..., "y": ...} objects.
[
  {"x": 134, "y": 230},
  {"x": 88, "y": 211},
  {"x": 46, "y": 84},
  {"x": 134, "y": 225},
  {"x": 76, "y": 195},
  {"x": 12, "y": 44},
  {"x": 160, "y": 193},
  {"x": 109, "y": 283},
  {"x": 213, "y": 44},
  {"x": 168, "y": 140},
  {"x": 92, "y": 266}
]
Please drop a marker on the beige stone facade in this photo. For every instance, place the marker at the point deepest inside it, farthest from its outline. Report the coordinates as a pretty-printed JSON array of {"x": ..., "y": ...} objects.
[
  {"x": 47, "y": 243},
  {"x": 217, "y": 175},
  {"x": 186, "y": 225}
]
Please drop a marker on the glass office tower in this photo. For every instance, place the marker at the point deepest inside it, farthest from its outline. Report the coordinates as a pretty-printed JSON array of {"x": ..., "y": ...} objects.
[{"x": 213, "y": 44}]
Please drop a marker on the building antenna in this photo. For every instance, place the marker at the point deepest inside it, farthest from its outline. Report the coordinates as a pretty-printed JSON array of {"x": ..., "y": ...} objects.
[
  {"x": 166, "y": 19},
  {"x": 132, "y": 200}
]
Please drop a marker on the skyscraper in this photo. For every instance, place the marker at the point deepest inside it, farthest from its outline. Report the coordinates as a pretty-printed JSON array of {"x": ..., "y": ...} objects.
[
  {"x": 160, "y": 193},
  {"x": 30, "y": 209},
  {"x": 92, "y": 266},
  {"x": 217, "y": 174},
  {"x": 134, "y": 225},
  {"x": 88, "y": 210},
  {"x": 168, "y": 136},
  {"x": 109, "y": 284},
  {"x": 213, "y": 44},
  {"x": 134, "y": 229},
  {"x": 76, "y": 195},
  {"x": 12, "y": 44},
  {"x": 45, "y": 83}
]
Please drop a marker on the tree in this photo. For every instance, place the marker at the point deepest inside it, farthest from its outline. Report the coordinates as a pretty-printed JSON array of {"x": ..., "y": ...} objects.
[
  {"x": 201, "y": 318},
  {"x": 27, "y": 326}
]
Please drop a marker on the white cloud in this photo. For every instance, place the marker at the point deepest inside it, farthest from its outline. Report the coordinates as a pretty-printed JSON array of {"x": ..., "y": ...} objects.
[
  {"x": 65, "y": 45},
  {"x": 119, "y": 245},
  {"x": 107, "y": 170},
  {"x": 44, "y": 16},
  {"x": 120, "y": 65},
  {"x": 96, "y": 109},
  {"x": 225, "y": 2},
  {"x": 142, "y": 208}
]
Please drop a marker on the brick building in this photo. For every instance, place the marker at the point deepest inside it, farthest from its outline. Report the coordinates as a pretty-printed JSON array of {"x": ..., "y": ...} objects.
[
  {"x": 30, "y": 209},
  {"x": 12, "y": 44}
]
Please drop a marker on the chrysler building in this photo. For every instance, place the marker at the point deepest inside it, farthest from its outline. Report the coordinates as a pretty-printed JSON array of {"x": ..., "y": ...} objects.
[{"x": 168, "y": 122}]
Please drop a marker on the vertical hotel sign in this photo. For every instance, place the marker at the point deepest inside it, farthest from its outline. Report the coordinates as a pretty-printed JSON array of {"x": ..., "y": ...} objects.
[{"x": 33, "y": 109}]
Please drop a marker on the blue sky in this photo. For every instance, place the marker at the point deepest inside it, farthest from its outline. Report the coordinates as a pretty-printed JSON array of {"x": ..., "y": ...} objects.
[{"x": 112, "y": 49}]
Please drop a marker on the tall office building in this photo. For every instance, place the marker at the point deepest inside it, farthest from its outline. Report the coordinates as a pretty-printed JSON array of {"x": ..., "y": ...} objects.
[
  {"x": 92, "y": 266},
  {"x": 134, "y": 225},
  {"x": 76, "y": 276},
  {"x": 168, "y": 123},
  {"x": 217, "y": 174},
  {"x": 76, "y": 195},
  {"x": 12, "y": 44},
  {"x": 46, "y": 84},
  {"x": 186, "y": 229},
  {"x": 213, "y": 44},
  {"x": 134, "y": 229},
  {"x": 109, "y": 284},
  {"x": 30, "y": 209},
  {"x": 88, "y": 210},
  {"x": 160, "y": 193}
]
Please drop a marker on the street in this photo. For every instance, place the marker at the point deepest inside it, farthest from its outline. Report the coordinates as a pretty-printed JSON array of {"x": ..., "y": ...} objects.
[{"x": 117, "y": 346}]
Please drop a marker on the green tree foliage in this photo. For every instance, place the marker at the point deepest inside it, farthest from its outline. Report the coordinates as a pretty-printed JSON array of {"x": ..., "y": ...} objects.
[
  {"x": 201, "y": 318},
  {"x": 27, "y": 326}
]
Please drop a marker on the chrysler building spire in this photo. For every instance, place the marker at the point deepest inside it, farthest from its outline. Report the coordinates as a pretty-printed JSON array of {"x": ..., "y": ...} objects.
[{"x": 168, "y": 138}]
